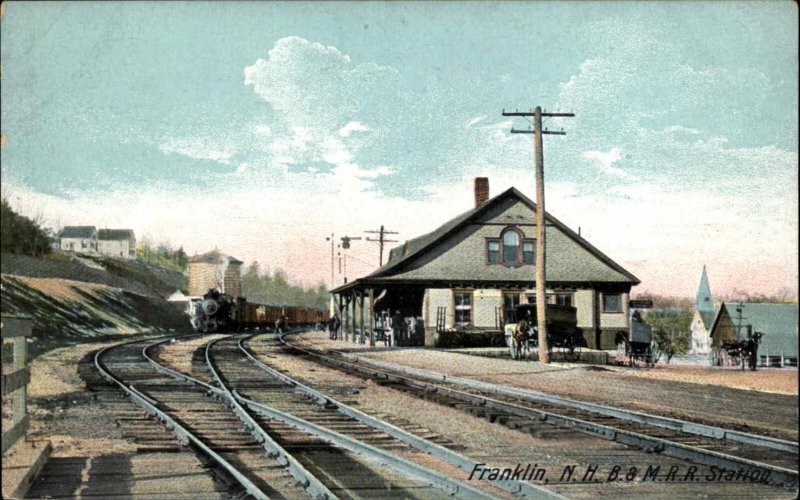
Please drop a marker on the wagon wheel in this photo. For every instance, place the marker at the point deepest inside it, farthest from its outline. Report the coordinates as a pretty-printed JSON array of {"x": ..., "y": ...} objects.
[
  {"x": 569, "y": 355},
  {"x": 649, "y": 357}
]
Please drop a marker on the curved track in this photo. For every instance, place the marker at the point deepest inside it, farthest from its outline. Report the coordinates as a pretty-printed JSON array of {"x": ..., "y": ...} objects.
[
  {"x": 528, "y": 410},
  {"x": 328, "y": 462}
]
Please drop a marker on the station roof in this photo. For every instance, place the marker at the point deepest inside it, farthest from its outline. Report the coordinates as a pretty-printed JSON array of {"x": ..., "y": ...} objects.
[{"x": 394, "y": 271}]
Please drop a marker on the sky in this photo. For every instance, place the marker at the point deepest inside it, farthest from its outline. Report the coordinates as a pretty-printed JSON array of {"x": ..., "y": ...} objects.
[{"x": 262, "y": 128}]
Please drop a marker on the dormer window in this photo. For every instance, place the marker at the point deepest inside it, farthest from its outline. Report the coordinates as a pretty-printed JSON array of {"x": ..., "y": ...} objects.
[{"x": 510, "y": 249}]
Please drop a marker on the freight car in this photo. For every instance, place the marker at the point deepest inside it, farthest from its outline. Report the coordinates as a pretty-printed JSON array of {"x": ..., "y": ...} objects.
[{"x": 217, "y": 312}]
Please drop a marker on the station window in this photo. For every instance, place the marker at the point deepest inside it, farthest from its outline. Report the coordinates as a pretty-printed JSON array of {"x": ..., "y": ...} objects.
[
  {"x": 493, "y": 251},
  {"x": 612, "y": 302},
  {"x": 510, "y": 246},
  {"x": 563, "y": 299},
  {"x": 528, "y": 252},
  {"x": 463, "y": 308}
]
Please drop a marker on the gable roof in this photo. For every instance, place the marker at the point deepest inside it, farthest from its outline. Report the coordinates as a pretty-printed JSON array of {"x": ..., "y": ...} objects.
[
  {"x": 417, "y": 246},
  {"x": 77, "y": 232},
  {"x": 115, "y": 234}
]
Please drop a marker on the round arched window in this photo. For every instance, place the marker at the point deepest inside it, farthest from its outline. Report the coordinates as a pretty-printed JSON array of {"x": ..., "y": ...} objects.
[{"x": 510, "y": 246}]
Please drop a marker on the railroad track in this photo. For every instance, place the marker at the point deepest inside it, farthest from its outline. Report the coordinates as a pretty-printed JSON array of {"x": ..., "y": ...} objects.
[
  {"x": 342, "y": 462},
  {"x": 543, "y": 415},
  {"x": 204, "y": 424},
  {"x": 334, "y": 414}
]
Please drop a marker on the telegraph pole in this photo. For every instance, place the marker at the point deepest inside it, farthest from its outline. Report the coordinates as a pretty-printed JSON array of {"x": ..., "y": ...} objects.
[
  {"x": 381, "y": 240},
  {"x": 541, "y": 285},
  {"x": 332, "y": 243}
]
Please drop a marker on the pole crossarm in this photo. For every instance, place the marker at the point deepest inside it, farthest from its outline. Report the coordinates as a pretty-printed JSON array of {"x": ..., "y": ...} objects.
[
  {"x": 381, "y": 240},
  {"x": 532, "y": 113},
  {"x": 530, "y": 131}
]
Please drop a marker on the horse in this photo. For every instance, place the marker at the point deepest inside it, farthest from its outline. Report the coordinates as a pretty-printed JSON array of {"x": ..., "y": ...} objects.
[
  {"x": 748, "y": 348},
  {"x": 519, "y": 343}
]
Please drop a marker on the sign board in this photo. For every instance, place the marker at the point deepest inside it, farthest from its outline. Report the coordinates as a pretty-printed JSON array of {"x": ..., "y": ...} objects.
[{"x": 640, "y": 304}]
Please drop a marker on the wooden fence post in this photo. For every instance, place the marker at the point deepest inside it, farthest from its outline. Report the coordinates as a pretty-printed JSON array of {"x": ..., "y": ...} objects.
[{"x": 16, "y": 330}]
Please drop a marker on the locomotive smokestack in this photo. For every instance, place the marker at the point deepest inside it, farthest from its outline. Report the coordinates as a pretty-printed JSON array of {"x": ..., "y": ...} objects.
[{"x": 481, "y": 190}]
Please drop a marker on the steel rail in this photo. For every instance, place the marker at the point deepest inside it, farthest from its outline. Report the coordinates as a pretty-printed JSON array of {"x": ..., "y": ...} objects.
[
  {"x": 515, "y": 487},
  {"x": 629, "y": 415},
  {"x": 780, "y": 475},
  {"x": 452, "y": 486},
  {"x": 309, "y": 482},
  {"x": 184, "y": 435}
]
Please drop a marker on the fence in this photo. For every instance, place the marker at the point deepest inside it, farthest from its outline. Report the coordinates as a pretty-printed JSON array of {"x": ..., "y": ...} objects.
[{"x": 15, "y": 331}]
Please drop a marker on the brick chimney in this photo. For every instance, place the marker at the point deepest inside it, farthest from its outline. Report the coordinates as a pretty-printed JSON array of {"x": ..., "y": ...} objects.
[{"x": 481, "y": 190}]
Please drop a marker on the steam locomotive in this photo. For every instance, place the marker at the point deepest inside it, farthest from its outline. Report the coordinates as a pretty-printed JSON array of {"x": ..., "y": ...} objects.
[{"x": 219, "y": 312}]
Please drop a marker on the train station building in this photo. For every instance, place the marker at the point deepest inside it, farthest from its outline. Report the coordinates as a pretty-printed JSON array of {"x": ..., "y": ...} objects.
[{"x": 464, "y": 278}]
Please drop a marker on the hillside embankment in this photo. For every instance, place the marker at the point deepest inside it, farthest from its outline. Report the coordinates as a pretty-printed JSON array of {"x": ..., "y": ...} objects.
[{"x": 72, "y": 298}]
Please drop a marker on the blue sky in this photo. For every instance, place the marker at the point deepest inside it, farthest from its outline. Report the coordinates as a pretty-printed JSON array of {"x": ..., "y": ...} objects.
[{"x": 262, "y": 127}]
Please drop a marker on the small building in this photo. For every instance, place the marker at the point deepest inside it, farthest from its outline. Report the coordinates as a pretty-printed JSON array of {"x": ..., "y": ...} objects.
[
  {"x": 777, "y": 322},
  {"x": 78, "y": 239},
  {"x": 470, "y": 273},
  {"x": 704, "y": 312},
  {"x": 116, "y": 243},
  {"x": 215, "y": 270}
]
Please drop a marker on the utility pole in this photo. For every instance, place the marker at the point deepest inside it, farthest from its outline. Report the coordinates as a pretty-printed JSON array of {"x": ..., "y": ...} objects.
[
  {"x": 332, "y": 243},
  {"x": 381, "y": 240},
  {"x": 541, "y": 285}
]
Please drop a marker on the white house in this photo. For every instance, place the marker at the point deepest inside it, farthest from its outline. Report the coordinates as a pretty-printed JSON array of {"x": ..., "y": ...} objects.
[
  {"x": 117, "y": 243},
  {"x": 78, "y": 239}
]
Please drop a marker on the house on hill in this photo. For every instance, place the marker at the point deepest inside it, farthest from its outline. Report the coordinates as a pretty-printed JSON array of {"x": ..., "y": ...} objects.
[
  {"x": 778, "y": 323},
  {"x": 78, "y": 239},
  {"x": 215, "y": 270},
  {"x": 704, "y": 313},
  {"x": 469, "y": 273},
  {"x": 117, "y": 243}
]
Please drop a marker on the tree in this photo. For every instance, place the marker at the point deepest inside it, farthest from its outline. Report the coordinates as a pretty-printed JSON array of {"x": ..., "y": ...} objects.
[
  {"x": 671, "y": 332},
  {"x": 21, "y": 235}
]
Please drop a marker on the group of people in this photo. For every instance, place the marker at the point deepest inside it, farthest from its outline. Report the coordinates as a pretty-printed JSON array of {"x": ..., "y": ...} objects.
[{"x": 391, "y": 330}]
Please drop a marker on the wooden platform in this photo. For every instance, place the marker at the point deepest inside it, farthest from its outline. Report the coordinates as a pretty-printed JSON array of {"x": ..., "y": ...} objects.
[{"x": 22, "y": 464}]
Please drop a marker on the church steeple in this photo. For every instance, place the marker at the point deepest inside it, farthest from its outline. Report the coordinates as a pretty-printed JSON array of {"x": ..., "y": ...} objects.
[{"x": 704, "y": 302}]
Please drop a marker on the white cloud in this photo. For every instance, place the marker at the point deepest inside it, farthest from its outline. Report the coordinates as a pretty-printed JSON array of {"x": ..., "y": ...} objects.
[
  {"x": 338, "y": 157},
  {"x": 475, "y": 121},
  {"x": 199, "y": 149},
  {"x": 607, "y": 160},
  {"x": 352, "y": 127},
  {"x": 311, "y": 83}
]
